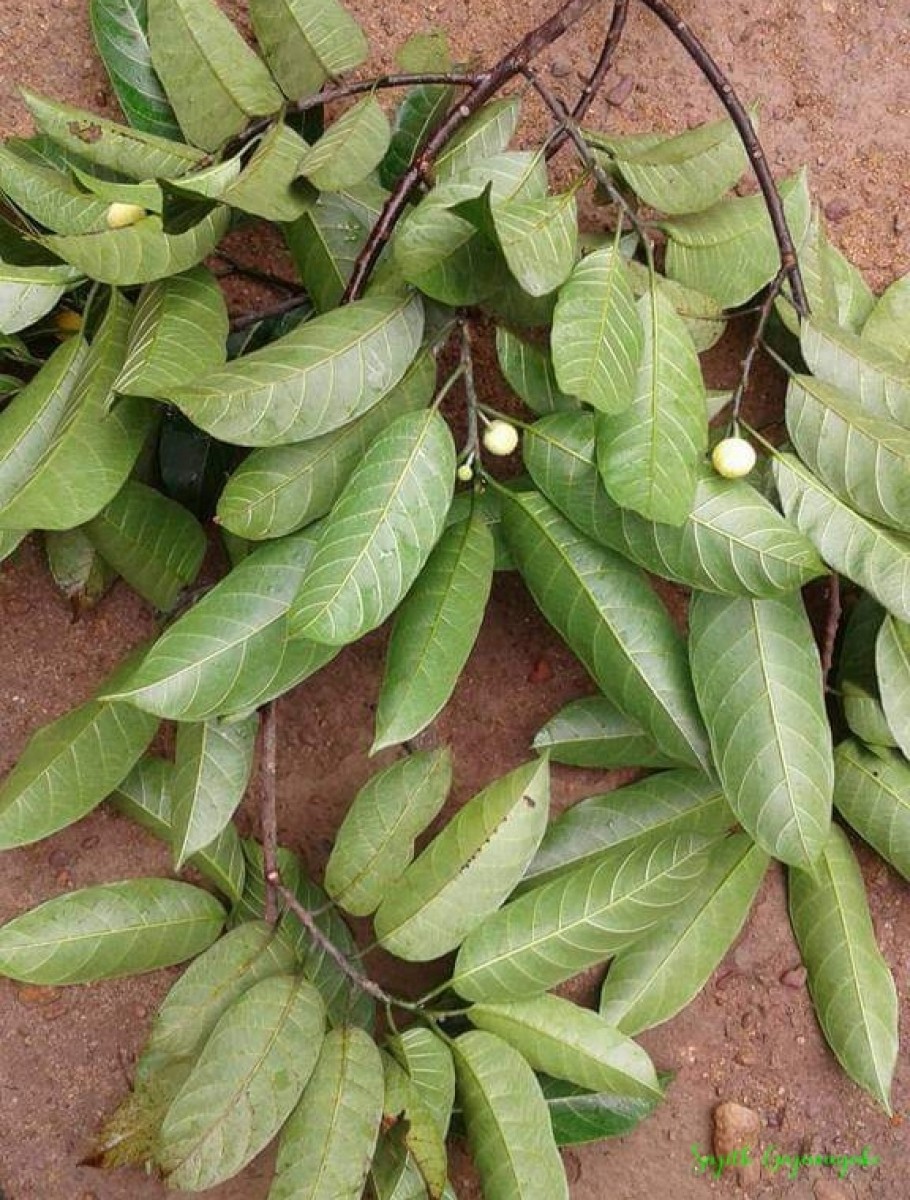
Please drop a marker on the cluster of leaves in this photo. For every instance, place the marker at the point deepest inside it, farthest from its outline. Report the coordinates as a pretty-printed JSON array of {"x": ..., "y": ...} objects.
[{"x": 345, "y": 511}]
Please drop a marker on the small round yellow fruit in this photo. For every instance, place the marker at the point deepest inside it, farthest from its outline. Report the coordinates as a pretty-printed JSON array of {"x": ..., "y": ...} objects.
[
  {"x": 67, "y": 323},
  {"x": 465, "y": 473},
  {"x": 500, "y": 438},
  {"x": 119, "y": 215},
  {"x": 733, "y": 458}
]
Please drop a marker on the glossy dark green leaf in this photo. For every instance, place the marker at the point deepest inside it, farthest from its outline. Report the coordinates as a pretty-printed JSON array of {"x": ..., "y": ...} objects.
[
  {"x": 468, "y": 869},
  {"x": 655, "y": 978},
  {"x": 350, "y": 149},
  {"x": 569, "y": 1042},
  {"x": 649, "y": 454},
  {"x": 578, "y": 920},
  {"x": 278, "y": 489},
  {"x": 418, "y": 114},
  {"x": 128, "y": 151},
  {"x": 313, "y": 380},
  {"x": 644, "y": 812},
  {"x": 872, "y": 793},
  {"x": 246, "y": 1083},
  {"x": 375, "y": 843},
  {"x": 877, "y": 381},
  {"x": 212, "y": 79},
  {"x": 863, "y": 459},
  {"x": 579, "y": 1116},
  {"x": 379, "y": 533},
  {"x": 156, "y": 545},
  {"x": 307, "y": 42},
  {"x": 758, "y": 679},
  {"x": 108, "y": 931},
  {"x": 145, "y": 797},
  {"x": 857, "y": 681},
  {"x": 870, "y": 555},
  {"x": 86, "y": 464},
  {"x": 509, "y": 1132},
  {"x": 327, "y": 1144},
  {"x": 213, "y": 762},
  {"x": 609, "y": 616},
  {"x": 435, "y": 630},
  {"x": 179, "y": 330},
  {"x": 892, "y": 664},
  {"x": 592, "y": 732},
  {"x": 529, "y": 372},
  {"x": 597, "y": 337},
  {"x": 120, "y": 28},
  {"x": 849, "y": 981}
]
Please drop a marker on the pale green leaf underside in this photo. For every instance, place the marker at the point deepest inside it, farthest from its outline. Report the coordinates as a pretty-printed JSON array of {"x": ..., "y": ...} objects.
[
  {"x": 888, "y": 324},
  {"x": 306, "y": 42},
  {"x": 529, "y": 372},
  {"x": 892, "y": 664},
  {"x": 213, "y": 761},
  {"x": 875, "y": 379},
  {"x": 27, "y": 293},
  {"x": 592, "y": 732},
  {"x": 350, "y": 149},
  {"x": 872, "y": 793}
]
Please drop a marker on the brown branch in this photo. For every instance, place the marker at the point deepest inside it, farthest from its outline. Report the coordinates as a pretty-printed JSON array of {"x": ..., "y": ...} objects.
[
  {"x": 488, "y": 84},
  {"x": 264, "y": 277},
  {"x": 743, "y": 122},
  {"x": 269, "y": 813},
  {"x": 245, "y": 320},
  {"x": 600, "y": 72},
  {"x": 764, "y": 314}
]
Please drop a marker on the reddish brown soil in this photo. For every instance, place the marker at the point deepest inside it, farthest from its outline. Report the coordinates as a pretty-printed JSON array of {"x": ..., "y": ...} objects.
[{"x": 832, "y": 76}]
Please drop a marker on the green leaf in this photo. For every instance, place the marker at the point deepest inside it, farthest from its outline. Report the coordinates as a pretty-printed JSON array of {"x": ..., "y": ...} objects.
[
  {"x": 179, "y": 330},
  {"x": 28, "y": 293},
  {"x": 872, "y": 793},
  {"x": 48, "y": 196},
  {"x": 509, "y": 1131},
  {"x": 729, "y": 250},
  {"x": 208, "y": 988},
  {"x": 579, "y": 1116},
  {"x": 539, "y": 240},
  {"x": 579, "y": 919},
  {"x": 592, "y": 732},
  {"x": 278, "y": 489},
  {"x": 529, "y": 372},
  {"x": 213, "y": 80},
  {"x": 597, "y": 337},
  {"x": 380, "y": 532},
  {"x": 147, "y": 195},
  {"x": 213, "y": 764},
  {"x": 79, "y": 571},
  {"x": 699, "y": 312},
  {"x": 120, "y": 29},
  {"x": 156, "y": 545},
  {"x": 141, "y": 253},
  {"x": 108, "y": 931},
  {"x": 892, "y": 664},
  {"x": 569, "y": 1042},
  {"x": 733, "y": 541},
  {"x": 759, "y": 685},
  {"x": 857, "y": 681},
  {"x": 375, "y": 843},
  {"x": 428, "y": 1061},
  {"x": 10, "y": 540},
  {"x": 486, "y": 134},
  {"x": 126, "y": 150},
  {"x": 435, "y": 630},
  {"x": 425, "y": 52},
  {"x": 849, "y": 981},
  {"x": 311, "y": 381},
  {"x": 94, "y": 450},
  {"x": 606, "y": 611},
  {"x": 307, "y": 42},
  {"x": 246, "y": 1083},
  {"x": 327, "y": 1144},
  {"x": 649, "y": 453},
  {"x": 863, "y": 460},
  {"x": 68, "y": 767},
  {"x": 28, "y": 423},
  {"x": 220, "y": 656},
  {"x": 421, "y": 1134},
  {"x": 443, "y": 254},
  {"x": 349, "y": 151},
  {"x": 852, "y": 545},
  {"x": 888, "y": 324},
  {"x": 420, "y": 112},
  {"x": 655, "y": 978},
  {"x": 266, "y": 187},
  {"x": 682, "y": 174},
  {"x": 640, "y": 813},
  {"x": 468, "y": 869},
  {"x": 877, "y": 382},
  {"x": 145, "y": 797}
]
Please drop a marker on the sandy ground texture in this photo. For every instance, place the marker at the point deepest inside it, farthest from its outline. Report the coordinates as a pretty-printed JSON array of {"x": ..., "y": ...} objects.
[{"x": 832, "y": 77}]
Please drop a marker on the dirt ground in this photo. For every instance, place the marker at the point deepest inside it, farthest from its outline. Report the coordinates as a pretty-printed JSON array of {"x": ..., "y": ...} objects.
[{"x": 832, "y": 76}]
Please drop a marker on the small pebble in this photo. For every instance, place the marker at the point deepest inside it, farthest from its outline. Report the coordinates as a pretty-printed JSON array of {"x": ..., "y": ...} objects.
[
  {"x": 561, "y": 66},
  {"x": 37, "y": 997},
  {"x": 621, "y": 90},
  {"x": 541, "y": 672},
  {"x": 837, "y": 209},
  {"x": 794, "y": 978},
  {"x": 57, "y": 859},
  {"x": 738, "y": 1128}
]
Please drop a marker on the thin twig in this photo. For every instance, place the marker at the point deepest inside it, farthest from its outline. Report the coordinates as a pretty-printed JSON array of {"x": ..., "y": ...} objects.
[
  {"x": 600, "y": 72},
  {"x": 466, "y": 360},
  {"x": 488, "y": 84},
  {"x": 264, "y": 277},
  {"x": 764, "y": 313},
  {"x": 269, "y": 811},
  {"x": 743, "y": 122},
  {"x": 245, "y": 320}
]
